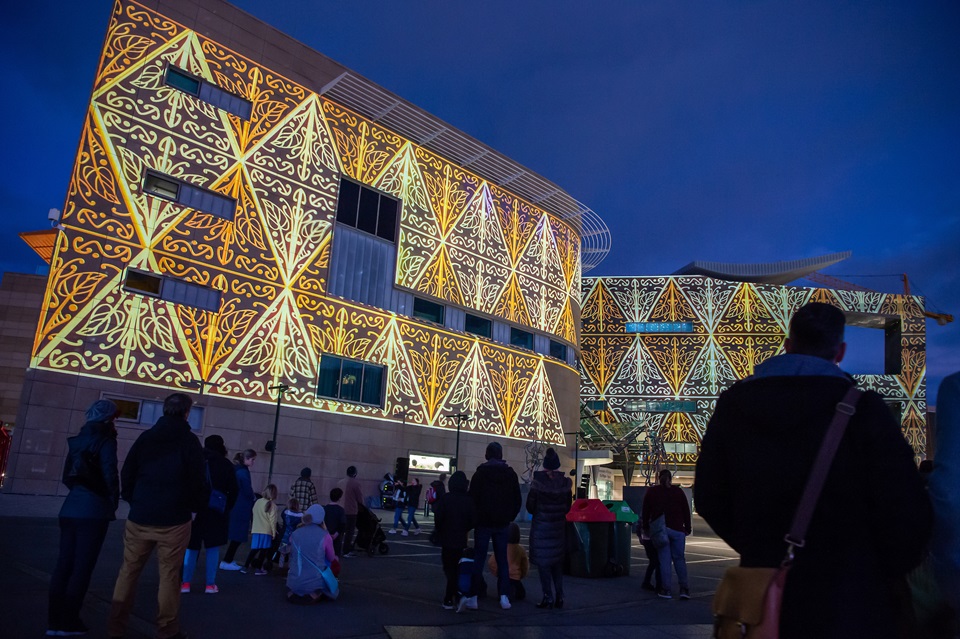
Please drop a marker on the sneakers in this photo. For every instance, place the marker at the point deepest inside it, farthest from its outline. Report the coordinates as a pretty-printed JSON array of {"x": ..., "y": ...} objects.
[
  {"x": 246, "y": 569},
  {"x": 260, "y": 572},
  {"x": 467, "y": 603},
  {"x": 229, "y": 566},
  {"x": 416, "y": 531},
  {"x": 72, "y": 630},
  {"x": 684, "y": 593},
  {"x": 462, "y": 604},
  {"x": 185, "y": 586},
  {"x": 505, "y": 602},
  {"x": 349, "y": 554},
  {"x": 405, "y": 534},
  {"x": 447, "y": 604},
  {"x": 663, "y": 593},
  {"x": 212, "y": 589},
  {"x": 392, "y": 531}
]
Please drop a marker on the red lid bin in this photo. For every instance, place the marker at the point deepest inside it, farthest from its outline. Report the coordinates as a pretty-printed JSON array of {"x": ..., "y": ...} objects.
[{"x": 590, "y": 510}]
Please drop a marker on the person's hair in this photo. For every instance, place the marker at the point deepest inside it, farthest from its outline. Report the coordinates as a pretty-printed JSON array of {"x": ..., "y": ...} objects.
[
  {"x": 241, "y": 457},
  {"x": 269, "y": 493},
  {"x": 177, "y": 405},
  {"x": 494, "y": 451},
  {"x": 293, "y": 505},
  {"x": 513, "y": 534},
  {"x": 416, "y": 480},
  {"x": 305, "y": 473},
  {"x": 102, "y": 410},
  {"x": 215, "y": 444},
  {"x": 664, "y": 473},
  {"x": 336, "y": 494},
  {"x": 443, "y": 476},
  {"x": 351, "y": 471},
  {"x": 817, "y": 329}
]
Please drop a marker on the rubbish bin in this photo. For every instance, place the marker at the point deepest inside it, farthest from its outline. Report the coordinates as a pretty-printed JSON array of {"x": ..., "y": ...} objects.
[
  {"x": 591, "y": 523},
  {"x": 621, "y": 534}
]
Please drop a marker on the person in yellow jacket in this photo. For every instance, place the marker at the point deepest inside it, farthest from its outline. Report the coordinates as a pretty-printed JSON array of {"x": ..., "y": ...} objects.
[
  {"x": 517, "y": 562},
  {"x": 264, "y": 528}
]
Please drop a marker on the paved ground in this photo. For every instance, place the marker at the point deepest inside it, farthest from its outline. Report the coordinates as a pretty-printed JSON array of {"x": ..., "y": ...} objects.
[{"x": 394, "y": 596}]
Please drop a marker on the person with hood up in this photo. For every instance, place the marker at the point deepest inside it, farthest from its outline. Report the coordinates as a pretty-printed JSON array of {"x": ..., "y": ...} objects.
[
  {"x": 549, "y": 502},
  {"x": 495, "y": 489},
  {"x": 454, "y": 515},
  {"x": 311, "y": 552},
  {"x": 86, "y": 512}
]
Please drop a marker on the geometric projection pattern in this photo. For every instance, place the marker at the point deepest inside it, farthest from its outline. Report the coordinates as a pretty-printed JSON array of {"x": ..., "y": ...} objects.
[
  {"x": 461, "y": 239},
  {"x": 735, "y": 327}
]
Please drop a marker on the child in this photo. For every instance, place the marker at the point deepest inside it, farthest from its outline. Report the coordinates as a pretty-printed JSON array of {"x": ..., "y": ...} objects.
[
  {"x": 291, "y": 519},
  {"x": 517, "y": 562},
  {"x": 454, "y": 516},
  {"x": 335, "y": 518},
  {"x": 264, "y": 528}
]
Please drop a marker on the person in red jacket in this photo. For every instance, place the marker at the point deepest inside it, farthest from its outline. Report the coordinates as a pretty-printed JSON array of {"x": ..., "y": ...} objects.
[{"x": 671, "y": 502}]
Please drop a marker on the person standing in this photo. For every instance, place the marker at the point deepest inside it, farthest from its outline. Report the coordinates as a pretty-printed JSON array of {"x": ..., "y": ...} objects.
[
  {"x": 85, "y": 515},
  {"x": 873, "y": 518},
  {"x": 264, "y": 532},
  {"x": 436, "y": 490},
  {"x": 945, "y": 493},
  {"x": 413, "y": 502},
  {"x": 304, "y": 491},
  {"x": 164, "y": 481},
  {"x": 549, "y": 502},
  {"x": 335, "y": 519},
  {"x": 454, "y": 515},
  {"x": 495, "y": 489},
  {"x": 352, "y": 501},
  {"x": 671, "y": 503},
  {"x": 242, "y": 512},
  {"x": 210, "y": 526},
  {"x": 399, "y": 504}
]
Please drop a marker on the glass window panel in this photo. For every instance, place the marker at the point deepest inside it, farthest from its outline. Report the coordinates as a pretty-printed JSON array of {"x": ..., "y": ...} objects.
[
  {"x": 328, "y": 383},
  {"x": 427, "y": 310},
  {"x": 180, "y": 80},
  {"x": 367, "y": 216},
  {"x": 523, "y": 339},
  {"x": 146, "y": 283},
  {"x": 387, "y": 222},
  {"x": 156, "y": 185},
  {"x": 558, "y": 350},
  {"x": 478, "y": 325},
  {"x": 351, "y": 376},
  {"x": 372, "y": 385},
  {"x": 347, "y": 203},
  {"x": 129, "y": 409}
]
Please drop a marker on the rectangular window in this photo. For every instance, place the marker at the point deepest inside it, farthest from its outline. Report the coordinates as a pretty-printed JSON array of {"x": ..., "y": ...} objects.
[
  {"x": 350, "y": 381},
  {"x": 189, "y": 195},
  {"x": 478, "y": 325},
  {"x": 171, "y": 289},
  {"x": 368, "y": 210},
  {"x": 558, "y": 350},
  {"x": 427, "y": 310},
  {"x": 146, "y": 412},
  {"x": 520, "y": 338},
  {"x": 208, "y": 92}
]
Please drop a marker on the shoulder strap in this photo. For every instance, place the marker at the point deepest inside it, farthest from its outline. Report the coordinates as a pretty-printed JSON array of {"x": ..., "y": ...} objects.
[{"x": 818, "y": 474}]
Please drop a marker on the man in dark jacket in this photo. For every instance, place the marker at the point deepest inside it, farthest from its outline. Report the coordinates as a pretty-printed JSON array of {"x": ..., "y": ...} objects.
[
  {"x": 454, "y": 515},
  {"x": 495, "y": 489},
  {"x": 670, "y": 502},
  {"x": 873, "y": 518},
  {"x": 163, "y": 479}
]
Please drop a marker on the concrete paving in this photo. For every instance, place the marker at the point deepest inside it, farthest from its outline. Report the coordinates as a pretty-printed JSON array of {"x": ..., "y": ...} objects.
[{"x": 394, "y": 596}]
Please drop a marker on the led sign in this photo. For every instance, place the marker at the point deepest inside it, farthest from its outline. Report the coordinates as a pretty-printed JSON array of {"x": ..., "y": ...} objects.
[{"x": 659, "y": 327}]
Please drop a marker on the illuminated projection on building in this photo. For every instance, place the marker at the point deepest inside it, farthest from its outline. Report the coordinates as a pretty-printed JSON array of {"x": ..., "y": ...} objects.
[
  {"x": 173, "y": 179},
  {"x": 735, "y": 327}
]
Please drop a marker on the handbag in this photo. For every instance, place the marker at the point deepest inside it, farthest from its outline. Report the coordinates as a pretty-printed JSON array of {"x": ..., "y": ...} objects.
[
  {"x": 658, "y": 532},
  {"x": 326, "y": 574},
  {"x": 82, "y": 468},
  {"x": 218, "y": 499},
  {"x": 747, "y": 603}
]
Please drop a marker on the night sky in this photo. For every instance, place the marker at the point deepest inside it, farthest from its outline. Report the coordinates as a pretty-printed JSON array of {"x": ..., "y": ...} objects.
[{"x": 734, "y": 132}]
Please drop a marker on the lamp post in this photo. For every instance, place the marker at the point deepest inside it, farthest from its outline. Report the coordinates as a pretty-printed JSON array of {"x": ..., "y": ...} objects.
[
  {"x": 460, "y": 417},
  {"x": 281, "y": 389}
]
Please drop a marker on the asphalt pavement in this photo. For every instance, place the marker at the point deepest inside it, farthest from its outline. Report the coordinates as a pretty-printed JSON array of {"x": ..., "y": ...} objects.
[{"x": 395, "y": 596}]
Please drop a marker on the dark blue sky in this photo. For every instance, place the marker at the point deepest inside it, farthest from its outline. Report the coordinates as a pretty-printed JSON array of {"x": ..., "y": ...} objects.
[{"x": 747, "y": 131}]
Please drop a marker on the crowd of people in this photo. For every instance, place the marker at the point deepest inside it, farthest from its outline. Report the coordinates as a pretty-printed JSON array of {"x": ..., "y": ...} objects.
[{"x": 756, "y": 457}]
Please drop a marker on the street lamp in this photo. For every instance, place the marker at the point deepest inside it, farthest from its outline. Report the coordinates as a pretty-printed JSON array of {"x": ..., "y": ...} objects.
[
  {"x": 460, "y": 417},
  {"x": 272, "y": 444}
]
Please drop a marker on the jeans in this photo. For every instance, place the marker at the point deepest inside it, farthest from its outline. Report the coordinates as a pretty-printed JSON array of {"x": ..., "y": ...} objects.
[
  {"x": 500, "y": 537},
  {"x": 398, "y": 518},
  {"x": 138, "y": 544},
  {"x": 674, "y": 551},
  {"x": 211, "y": 559},
  {"x": 551, "y": 580},
  {"x": 412, "y": 517},
  {"x": 80, "y": 543}
]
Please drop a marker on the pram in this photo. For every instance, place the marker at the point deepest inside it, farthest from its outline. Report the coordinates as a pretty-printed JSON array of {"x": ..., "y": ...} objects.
[{"x": 370, "y": 537}]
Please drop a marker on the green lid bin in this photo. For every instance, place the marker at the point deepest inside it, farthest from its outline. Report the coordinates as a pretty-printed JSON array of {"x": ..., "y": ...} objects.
[{"x": 621, "y": 534}]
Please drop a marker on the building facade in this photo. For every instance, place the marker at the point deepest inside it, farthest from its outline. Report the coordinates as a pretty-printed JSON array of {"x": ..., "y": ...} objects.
[{"x": 246, "y": 223}]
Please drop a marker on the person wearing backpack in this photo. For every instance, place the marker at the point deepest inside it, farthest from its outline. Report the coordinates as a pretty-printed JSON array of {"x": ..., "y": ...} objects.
[
  {"x": 90, "y": 472},
  {"x": 435, "y": 491}
]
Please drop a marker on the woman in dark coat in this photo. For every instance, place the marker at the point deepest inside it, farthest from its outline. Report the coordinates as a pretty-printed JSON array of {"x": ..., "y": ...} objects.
[
  {"x": 549, "y": 502},
  {"x": 210, "y": 526},
  {"x": 454, "y": 515},
  {"x": 86, "y": 512},
  {"x": 242, "y": 512}
]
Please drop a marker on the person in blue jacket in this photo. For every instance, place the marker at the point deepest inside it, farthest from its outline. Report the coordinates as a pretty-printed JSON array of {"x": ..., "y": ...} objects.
[
  {"x": 242, "y": 512},
  {"x": 84, "y": 517}
]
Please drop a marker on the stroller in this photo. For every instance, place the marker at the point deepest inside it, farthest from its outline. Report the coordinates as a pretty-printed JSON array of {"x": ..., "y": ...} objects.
[{"x": 370, "y": 537}]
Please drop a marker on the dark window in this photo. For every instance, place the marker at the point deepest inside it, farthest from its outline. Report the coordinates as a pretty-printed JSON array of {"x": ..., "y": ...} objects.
[
  {"x": 350, "y": 381},
  {"x": 520, "y": 338},
  {"x": 171, "y": 289},
  {"x": 129, "y": 409},
  {"x": 478, "y": 325},
  {"x": 209, "y": 93},
  {"x": 146, "y": 412},
  {"x": 367, "y": 210},
  {"x": 558, "y": 350},
  {"x": 597, "y": 405},
  {"x": 144, "y": 283},
  {"x": 427, "y": 310},
  {"x": 189, "y": 195}
]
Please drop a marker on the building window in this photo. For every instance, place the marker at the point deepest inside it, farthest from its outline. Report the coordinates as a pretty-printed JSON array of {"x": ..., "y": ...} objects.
[
  {"x": 208, "y": 92},
  {"x": 596, "y": 405},
  {"x": 186, "y": 194},
  {"x": 146, "y": 412},
  {"x": 350, "y": 381},
  {"x": 427, "y": 310},
  {"x": 478, "y": 325},
  {"x": 523, "y": 339},
  {"x": 558, "y": 350},
  {"x": 171, "y": 289},
  {"x": 370, "y": 211}
]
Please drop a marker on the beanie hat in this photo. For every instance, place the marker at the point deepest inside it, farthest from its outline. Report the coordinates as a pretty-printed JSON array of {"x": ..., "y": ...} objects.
[
  {"x": 316, "y": 513},
  {"x": 102, "y": 410},
  {"x": 551, "y": 461}
]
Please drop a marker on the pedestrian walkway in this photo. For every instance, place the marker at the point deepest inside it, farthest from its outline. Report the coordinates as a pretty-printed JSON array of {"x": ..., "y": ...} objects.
[{"x": 394, "y": 596}]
